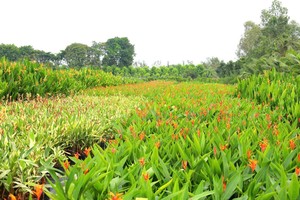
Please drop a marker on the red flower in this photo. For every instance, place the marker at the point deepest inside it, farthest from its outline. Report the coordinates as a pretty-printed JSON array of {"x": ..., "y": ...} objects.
[
  {"x": 146, "y": 176},
  {"x": 224, "y": 183},
  {"x": 38, "y": 191},
  {"x": 252, "y": 164},
  {"x": 87, "y": 151},
  {"x": 184, "y": 164},
  {"x": 142, "y": 161},
  {"x": 249, "y": 152},
  {"x": 77, "y": 155},
  {"x": 292, "y": 144},
  {"x": 297, "y": 171},
  {"x": 66, "y": 164},
  {"x": 116, "y": 196},
  {"x": 263, "y": 145}
]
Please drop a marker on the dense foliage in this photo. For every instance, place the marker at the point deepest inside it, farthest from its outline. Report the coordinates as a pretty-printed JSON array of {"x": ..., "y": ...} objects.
[
  {"x": 181, "y": 141},
  {"x": 38, "y": 133},
  {"x": 277, "y": 90},
  {"x": 19, "y": 80}
]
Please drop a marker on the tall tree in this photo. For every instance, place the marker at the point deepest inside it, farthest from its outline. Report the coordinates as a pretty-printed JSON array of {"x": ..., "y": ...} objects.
[
  {"x": 27, "y": 52},
  {"x": 275, "y": 34},
  {"x": 76, "y": 55},
  {"x": 96, "y": 53},
  {"x": 249, "y": 41},
  {"x": 10, "y": 52},
  {"x": 118, "y": 52}
]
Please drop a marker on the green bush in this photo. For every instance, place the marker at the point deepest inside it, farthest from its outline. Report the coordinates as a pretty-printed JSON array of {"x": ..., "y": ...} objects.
[{"x": 25, "y": 78}]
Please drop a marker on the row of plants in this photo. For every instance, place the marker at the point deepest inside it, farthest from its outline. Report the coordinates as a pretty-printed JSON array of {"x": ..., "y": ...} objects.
[
  {"x": 26, "y": 79},
  {"x": 276, "y": 89},
  {"x": 187, "y": 141},
  {"x": 40, "y": 132}
]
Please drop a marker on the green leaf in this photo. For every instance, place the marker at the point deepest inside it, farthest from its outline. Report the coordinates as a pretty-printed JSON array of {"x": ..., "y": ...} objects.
[
  {"x": 231, "y": 186},
  {"x": 267, "y": 196},
  {"x": 204, "y": 194},
  {"x": 294, "y": 188},
  {"x": 163, "y": 187}
]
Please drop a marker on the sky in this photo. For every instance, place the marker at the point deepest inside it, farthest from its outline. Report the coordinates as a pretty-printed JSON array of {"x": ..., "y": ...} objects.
[{"x": 169, "y": 31}]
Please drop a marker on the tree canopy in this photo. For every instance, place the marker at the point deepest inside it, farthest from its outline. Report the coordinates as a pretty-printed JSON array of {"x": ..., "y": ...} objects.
[
  {"x": 118, "y": 52},
  {"x": 274, "y": 35}
]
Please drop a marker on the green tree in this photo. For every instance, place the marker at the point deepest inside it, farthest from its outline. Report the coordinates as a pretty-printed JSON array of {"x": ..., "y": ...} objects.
[
  {"x": 95, "y": 53},
  {"x": 210, "y": 66},
  {"x": 76, "y": 55},
  {"x": 44, "y": 57},
  {"x": 10, "y": 52},
  {"x": 275, "y": 34},
  {"x": 27, "y": 52},
  {"x": 249, "y": 41},
  {"x": 119, "y": 52}
]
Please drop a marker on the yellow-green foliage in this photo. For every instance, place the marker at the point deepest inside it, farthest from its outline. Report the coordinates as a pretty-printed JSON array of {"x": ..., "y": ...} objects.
[
  {"x": 20, "y": 79},
  {"x": 39, "y": 131},
  {"x": 277, "y": 90}
]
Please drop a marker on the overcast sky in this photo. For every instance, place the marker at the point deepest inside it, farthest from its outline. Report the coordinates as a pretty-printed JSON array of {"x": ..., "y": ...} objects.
[{"x": 165, "y": 30}]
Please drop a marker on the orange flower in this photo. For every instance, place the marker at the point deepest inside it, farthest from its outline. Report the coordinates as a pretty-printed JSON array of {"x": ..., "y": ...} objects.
[
  {"x": 223, "y": 147},
  {"x": 142, "y": 161},
  {"x": 12, "y": 197},
  {"x": 86, "y": 171},
  {"x": 76, "y": 155},
  {"x": 215, "y": 151},
  {"x": 157, "y": 144},
  {"x": 292, "y": 144},
  {"x": 224, "y": 183},
  {"x": 66, "y": 164},
  {"x": 299, "y": 157},
  {"x": 38, "y": 191},
  {"x": 297, "y": 171},
  {"x": 116, "y": 196},
  {"x": 228, "y": 125},
  {"x": 263, "y": 145},
  {"x": 146, "y": 176},
  {"x": 113, "y": 150},
  {"x": 175, "y": 125},
  {"x": 87, "y": 151},
  {"x": 142, "y": 135},
  {"x": 184, "y": 164},
  {"x": 252, "y": 164},
  {"x": 249, "y": 152}
]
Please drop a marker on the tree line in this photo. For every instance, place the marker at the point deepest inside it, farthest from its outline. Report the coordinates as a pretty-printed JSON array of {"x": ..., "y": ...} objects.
[{"x": 115, "y": 51}]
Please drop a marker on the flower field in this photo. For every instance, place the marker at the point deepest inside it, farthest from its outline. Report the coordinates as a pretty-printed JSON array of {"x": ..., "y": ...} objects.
[{"x": 155, "y": 140}]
